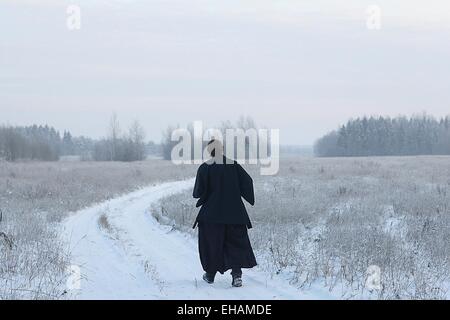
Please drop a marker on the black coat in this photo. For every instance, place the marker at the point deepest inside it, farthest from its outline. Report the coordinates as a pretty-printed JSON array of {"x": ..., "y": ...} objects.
[{"x": 219, "y": 188}]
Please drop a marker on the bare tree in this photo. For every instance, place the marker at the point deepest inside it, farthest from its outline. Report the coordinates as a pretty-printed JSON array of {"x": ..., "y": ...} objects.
[
  {"x": 166, "y": 142},
  {"x": 137, "y": 137},
  {"x": 113, "y": 135}
]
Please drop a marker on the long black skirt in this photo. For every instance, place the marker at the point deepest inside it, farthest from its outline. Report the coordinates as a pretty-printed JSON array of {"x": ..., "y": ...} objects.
[{"x": 224, "y": 246}]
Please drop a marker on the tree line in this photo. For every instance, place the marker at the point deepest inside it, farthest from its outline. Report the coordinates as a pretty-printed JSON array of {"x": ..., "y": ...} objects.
[
  {"x": 32, "y": 142},
  {"x": 381, "y": 136},
  {"x": 244, "y": 123},
  {"x": 118, "y": 146},
  {"x": 46, "y": 144}
]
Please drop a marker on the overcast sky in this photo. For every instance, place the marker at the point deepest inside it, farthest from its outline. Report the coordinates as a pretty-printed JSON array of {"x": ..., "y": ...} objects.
[{"x": 301, "y": 66}]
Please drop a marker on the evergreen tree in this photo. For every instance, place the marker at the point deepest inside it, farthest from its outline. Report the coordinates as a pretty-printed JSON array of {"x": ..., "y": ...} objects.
[{"x": 419, "y": 135}]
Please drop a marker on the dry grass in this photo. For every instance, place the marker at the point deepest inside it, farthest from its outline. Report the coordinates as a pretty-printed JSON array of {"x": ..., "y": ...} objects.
[
  {"x": 321, "y": 220},
  {"x": 35, "y": 196},
  {"x": 104, "y": 223},
  {"x": 328, "y": 219}
]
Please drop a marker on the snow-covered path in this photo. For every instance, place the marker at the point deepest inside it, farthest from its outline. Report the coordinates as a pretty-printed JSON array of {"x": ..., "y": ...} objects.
[{"x": 124, "y": 253}]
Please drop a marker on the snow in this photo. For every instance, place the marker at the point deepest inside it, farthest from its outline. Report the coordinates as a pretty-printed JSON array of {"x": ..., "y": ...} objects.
[{"x": 135, "y": 257}]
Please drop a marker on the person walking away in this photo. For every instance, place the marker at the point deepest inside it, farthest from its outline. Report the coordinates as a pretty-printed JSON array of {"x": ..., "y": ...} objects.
[{"x": 222, "y": 221}]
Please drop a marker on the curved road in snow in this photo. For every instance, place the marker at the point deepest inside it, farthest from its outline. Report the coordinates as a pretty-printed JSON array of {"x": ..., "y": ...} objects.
[{"x": 124, "y": 253}]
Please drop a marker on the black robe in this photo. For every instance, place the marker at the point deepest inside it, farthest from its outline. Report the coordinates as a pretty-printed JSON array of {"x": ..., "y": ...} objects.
[
  {"x": 223, "y": 220},
  {"x": 219, "y": 188},
  {"x": 223, "y": 247}
]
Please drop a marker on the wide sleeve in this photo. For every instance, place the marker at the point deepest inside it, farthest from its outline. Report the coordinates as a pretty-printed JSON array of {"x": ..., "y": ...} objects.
[
  {"x": 246, "y": 185},
  {"x": 201, "y": 186}
]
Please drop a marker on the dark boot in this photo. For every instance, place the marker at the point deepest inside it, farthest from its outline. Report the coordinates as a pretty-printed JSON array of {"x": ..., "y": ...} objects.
[
  {"x": 209, "y": 277},
  {"x": 237, "y": 281},
  {"x": 236, "y": 273}
]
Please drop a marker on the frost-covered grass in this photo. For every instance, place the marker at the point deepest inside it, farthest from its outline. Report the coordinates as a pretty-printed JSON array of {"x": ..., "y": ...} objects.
[
  {"x": 318, "y": 222},
  {"x": 326, "y": 220},
  {"x": 35, "y": 196}
]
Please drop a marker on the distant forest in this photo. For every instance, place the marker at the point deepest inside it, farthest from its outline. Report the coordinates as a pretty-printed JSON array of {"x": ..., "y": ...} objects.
[
  {"x": 367, "y": 136},
  {"x": 46, "y": 144},
  {"x": 381, "y": 136}
]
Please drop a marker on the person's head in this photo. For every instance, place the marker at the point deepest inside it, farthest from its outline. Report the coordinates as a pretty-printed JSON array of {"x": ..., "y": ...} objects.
[{"x": 215, "y": 147}]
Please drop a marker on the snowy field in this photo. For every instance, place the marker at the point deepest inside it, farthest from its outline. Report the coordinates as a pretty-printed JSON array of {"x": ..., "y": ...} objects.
[
  {"x": 124, "y": 253},
  {"x": 338, "y": 222},
  {"x": 319, "y": 226},
  {"x": 36, "y": 196}
]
